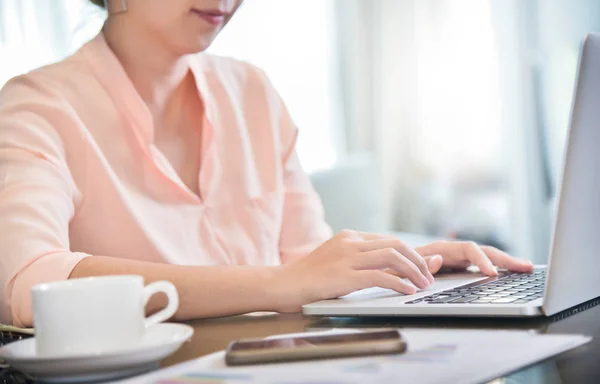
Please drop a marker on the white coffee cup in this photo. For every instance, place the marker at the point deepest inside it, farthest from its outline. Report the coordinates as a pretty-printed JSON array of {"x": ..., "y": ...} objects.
[{"x": 96, "y": 314}]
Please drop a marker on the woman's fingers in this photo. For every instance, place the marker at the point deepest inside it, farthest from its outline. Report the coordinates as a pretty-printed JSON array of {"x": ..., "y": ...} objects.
[
  {"x": 372, "y": 236},
  {"x": 456, "y": 253},
  {"x": 434, "y": 262},
  {"x": 503, "y": 260},
  {"x": 376, "y": 278},
  {"x": 475, "y": 255},
  {"x": 390, "y": 258},
  {"x": 402, "y": 248},
  {"x": 485, "y": 257}
]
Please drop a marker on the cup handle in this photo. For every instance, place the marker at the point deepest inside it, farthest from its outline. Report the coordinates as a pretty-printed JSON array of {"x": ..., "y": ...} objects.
[{"x": 172, "y": 301}]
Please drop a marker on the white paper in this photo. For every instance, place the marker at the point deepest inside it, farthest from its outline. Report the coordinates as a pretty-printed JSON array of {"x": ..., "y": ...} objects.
[{"x": 433, "y": 356}]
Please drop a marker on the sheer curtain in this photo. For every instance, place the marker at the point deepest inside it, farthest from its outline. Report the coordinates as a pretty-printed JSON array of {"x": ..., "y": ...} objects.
[
  {"x": 38, "y": 32},
  {"x": 294, "y": 42},
  {"x": 465, "y": 105},
  {"x": 433, "y": 106},
  {"x": 539, "y": 43},
  {"x": 459, "y": 140}
]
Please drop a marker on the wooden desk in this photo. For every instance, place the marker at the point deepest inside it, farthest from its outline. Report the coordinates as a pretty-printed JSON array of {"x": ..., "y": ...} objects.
[{"x": 581, "y": 365}]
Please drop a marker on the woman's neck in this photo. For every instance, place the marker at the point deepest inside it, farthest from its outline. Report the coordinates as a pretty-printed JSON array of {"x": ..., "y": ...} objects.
[{"x": 156, "y": 72}]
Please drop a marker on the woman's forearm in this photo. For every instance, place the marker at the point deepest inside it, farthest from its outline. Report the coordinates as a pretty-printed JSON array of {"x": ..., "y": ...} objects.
[{"x": 203, "y": 291}]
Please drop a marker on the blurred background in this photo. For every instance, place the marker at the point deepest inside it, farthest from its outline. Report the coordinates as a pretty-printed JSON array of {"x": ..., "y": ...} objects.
[{"x": 444, "y": 118}]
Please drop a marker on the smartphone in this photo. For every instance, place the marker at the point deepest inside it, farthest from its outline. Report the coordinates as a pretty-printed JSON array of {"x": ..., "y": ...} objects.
[{"x": 255, "y": 351}]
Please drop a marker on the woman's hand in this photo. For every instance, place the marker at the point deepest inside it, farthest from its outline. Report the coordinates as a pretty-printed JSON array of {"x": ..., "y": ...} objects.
[
  {"x": 462, "y": 254},
  {"x": 352, "y": 260},
  {"x": 348, "y": 262}
]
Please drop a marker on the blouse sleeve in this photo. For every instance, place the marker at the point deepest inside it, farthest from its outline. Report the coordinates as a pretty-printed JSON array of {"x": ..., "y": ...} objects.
[
  {"x": 37, "y": 196},
  {"x": 304, "y": 227}
]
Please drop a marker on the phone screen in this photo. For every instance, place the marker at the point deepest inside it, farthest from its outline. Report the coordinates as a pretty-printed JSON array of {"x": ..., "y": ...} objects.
[{"x": 315, "y": 341}]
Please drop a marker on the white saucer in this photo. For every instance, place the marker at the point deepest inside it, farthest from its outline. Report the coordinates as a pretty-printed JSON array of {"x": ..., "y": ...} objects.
[{"x": 160, "y": 341}]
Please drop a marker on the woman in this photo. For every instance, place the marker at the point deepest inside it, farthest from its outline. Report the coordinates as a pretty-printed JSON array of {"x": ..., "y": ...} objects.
[{"x": 140, "y": 155}]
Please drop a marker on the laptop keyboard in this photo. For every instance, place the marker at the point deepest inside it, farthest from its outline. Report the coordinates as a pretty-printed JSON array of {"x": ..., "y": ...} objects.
[
  {"x": 8, "y": 375},
  {"x": 9, "y": 337},
  {"x": 506, "y": 288}
]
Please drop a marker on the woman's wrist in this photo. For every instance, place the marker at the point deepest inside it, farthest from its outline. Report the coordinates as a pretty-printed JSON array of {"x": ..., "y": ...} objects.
[{"x": 279, "y": 290}]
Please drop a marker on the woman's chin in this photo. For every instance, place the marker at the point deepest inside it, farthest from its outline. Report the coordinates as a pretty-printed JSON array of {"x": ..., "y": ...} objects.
[
  {"x": 199, "y": 44},
  {"x": 189, "y": 49}
]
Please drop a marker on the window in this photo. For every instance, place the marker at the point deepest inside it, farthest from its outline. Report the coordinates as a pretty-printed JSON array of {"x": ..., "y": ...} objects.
[
  {"x": 294, "y": 42},
  {"x": 34, "y": 33}
]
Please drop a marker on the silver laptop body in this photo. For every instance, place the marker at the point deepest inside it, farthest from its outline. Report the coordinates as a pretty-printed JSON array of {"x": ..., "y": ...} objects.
[{"x": 572, "y": 276}]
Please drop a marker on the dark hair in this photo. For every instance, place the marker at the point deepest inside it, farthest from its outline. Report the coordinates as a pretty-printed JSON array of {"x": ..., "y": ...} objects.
[{"x": 99, "y": 3}]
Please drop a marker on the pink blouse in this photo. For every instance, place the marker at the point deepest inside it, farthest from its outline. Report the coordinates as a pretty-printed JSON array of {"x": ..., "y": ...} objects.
[{"x": 80, "y": 176}]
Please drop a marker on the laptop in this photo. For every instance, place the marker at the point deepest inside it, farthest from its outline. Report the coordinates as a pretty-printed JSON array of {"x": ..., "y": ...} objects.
[{"x": 572, "y": 276}]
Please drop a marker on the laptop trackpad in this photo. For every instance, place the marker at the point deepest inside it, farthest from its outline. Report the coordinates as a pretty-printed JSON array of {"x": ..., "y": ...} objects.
[{"x": 442, "y": 282}]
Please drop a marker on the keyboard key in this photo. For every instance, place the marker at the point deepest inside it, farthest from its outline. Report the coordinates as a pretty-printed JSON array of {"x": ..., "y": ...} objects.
[
  {"x": 499, "y": 294},
  {"x": 504, "y": 300},
  {"x": 521, "y": 301},
  {"x": 467, "y": 299},
  {"x": 507, "y": 288},
  {"x": 421, "y": 300},
  {"x": 482, "y": 301},
  {"x": 442, "y": 300}
]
